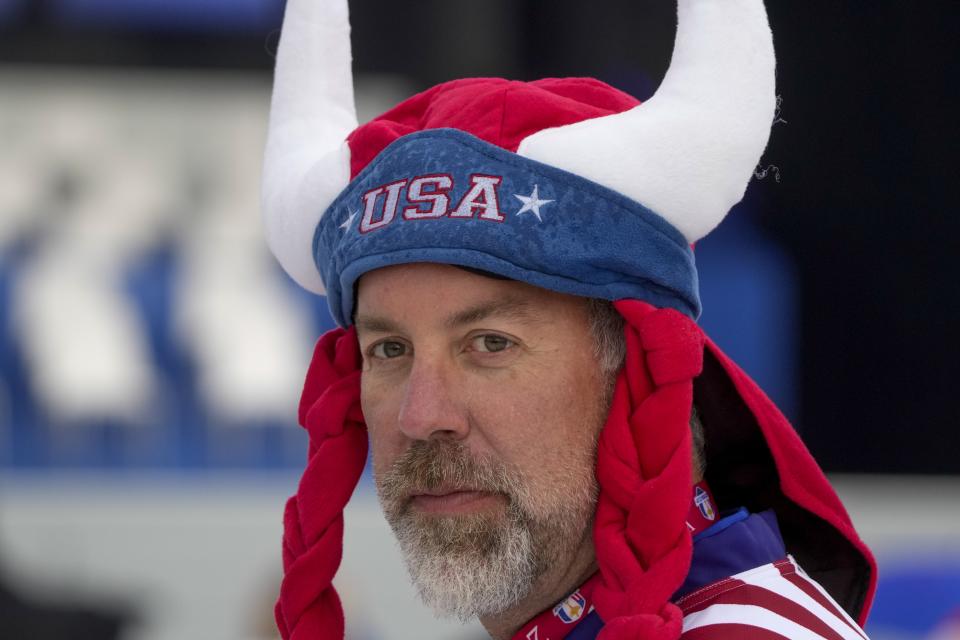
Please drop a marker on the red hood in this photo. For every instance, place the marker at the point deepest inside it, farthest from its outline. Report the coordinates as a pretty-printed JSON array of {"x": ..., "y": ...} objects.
[{"x": 756, "y": 459}]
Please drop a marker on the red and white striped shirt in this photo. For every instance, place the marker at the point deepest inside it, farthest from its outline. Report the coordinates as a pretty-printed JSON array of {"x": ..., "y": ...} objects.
[{"x": 771, "y": 602}]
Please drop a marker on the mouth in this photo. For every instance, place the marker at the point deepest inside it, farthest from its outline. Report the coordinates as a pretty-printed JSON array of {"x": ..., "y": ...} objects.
[{"x": 455, "y": 501}]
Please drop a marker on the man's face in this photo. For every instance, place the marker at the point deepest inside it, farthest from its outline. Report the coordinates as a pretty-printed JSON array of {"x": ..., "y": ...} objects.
[{"x": 484, "y": 400}]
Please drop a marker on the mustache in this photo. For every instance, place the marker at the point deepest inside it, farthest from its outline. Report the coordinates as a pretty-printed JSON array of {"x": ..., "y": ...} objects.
[{"x": 429, "y": 465}]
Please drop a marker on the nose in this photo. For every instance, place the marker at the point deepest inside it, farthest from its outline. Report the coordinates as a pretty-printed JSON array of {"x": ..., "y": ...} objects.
[{"x": 431, "y": 406}]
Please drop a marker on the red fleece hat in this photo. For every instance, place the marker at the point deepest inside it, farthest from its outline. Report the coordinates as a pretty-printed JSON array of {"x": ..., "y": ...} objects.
[{"x": 686, "y": 156}]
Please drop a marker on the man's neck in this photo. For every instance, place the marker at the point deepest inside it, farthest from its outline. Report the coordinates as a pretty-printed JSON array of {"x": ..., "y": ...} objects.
[{"x": 549, "y": 589}]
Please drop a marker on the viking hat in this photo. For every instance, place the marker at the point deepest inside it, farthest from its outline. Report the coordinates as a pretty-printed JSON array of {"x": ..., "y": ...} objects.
[
  {"x": 573, "y": 186},
  {"x": 626, "y": 187}
]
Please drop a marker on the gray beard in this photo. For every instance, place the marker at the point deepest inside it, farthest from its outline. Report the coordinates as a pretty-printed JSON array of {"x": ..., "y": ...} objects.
[
  {"x": 478, "y": 564},
  {"x": 467, "y": 566}
]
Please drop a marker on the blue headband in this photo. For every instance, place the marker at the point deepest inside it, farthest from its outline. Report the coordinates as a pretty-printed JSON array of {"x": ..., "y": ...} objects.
[{"x": 445, "y": 196}]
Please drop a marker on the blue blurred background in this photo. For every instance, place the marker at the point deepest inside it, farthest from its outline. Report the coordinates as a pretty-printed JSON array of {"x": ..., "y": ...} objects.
[{"x": 151, "y": 352}]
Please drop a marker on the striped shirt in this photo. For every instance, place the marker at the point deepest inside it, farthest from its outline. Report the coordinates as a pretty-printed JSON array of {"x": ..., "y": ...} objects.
[
  {"x": 770, "y": 602},
  {"x": 742, "y": 585}
]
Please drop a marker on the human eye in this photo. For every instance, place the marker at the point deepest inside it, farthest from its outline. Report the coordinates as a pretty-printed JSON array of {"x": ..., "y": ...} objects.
[
  {"x": 388, "y": 349},
  {"x": 491, "y": 343}
]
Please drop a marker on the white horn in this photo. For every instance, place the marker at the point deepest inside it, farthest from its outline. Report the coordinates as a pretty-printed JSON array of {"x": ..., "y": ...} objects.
[
  {"x": 307, "y": 161},
  {"x": 688, "y": 152}
]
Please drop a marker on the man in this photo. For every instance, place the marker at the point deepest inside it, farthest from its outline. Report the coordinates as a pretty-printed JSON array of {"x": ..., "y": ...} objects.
[{"x": 511, "y": 264}]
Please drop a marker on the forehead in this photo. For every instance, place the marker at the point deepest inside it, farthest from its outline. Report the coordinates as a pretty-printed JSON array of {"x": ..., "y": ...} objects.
[{"x": 447, "y": 294}]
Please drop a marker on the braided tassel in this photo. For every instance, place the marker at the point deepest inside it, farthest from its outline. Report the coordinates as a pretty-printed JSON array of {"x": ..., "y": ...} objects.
[
  {"x": 308, "y": 606},
  {"x": 644, "y": 470}
]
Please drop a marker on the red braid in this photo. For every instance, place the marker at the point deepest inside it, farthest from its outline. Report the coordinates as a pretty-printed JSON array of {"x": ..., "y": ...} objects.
[
  {"x": 308, "y": 607},
  {"x": 644, "y": 470}
]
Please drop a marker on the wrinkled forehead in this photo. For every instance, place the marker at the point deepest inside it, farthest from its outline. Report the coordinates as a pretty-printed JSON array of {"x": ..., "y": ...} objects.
[{"x": 450, "y": 296}]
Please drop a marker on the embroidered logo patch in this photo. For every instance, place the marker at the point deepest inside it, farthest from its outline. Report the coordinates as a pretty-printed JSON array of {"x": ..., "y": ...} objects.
[
  {"x": 571, "y": 609},
  {"x": 429, "y": 196},
  {"x": 702, "y": 499}
]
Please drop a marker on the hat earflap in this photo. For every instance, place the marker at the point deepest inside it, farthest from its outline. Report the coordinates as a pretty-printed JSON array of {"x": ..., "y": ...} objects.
[
  {"x": 308, "y": 607},
  {"x": 644, "y": 469}
]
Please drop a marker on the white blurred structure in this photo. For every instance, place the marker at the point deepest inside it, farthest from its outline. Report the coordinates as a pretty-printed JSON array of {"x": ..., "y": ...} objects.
[
  {"x": 251, "y": 341},
  {"x": 88, "y": 354},
  {"x": 104, "y": 167}
]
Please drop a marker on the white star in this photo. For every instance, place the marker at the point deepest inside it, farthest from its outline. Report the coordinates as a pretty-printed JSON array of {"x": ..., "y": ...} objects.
[
  {"x": 532, "y": 202},
  {"x": 346, "y": 223}
]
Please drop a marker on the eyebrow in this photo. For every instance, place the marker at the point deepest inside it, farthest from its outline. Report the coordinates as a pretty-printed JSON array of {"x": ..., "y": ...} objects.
[{"x": 511, "y": 308}]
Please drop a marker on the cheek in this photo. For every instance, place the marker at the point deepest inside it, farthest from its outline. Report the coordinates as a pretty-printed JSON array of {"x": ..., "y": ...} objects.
[
  {"x": 547, "y": 432},
  {"x": 543, "y": 423},
  {"x": 379, "y": 412}
]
